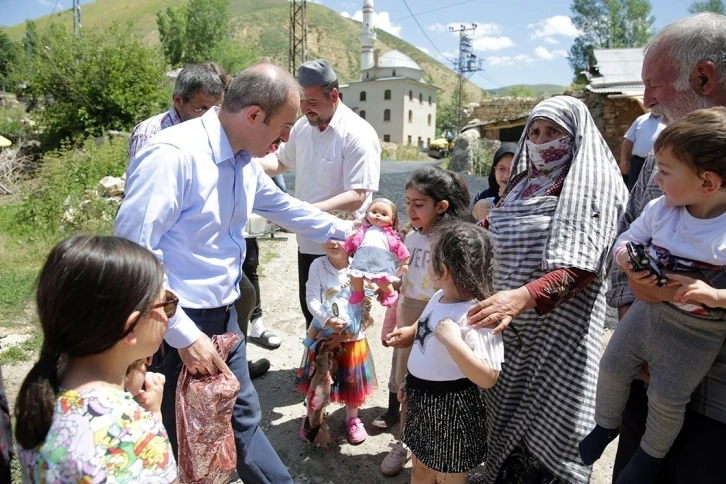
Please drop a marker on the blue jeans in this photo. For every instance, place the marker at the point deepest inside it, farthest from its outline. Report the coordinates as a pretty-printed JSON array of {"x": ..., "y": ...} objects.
[{"x": 257, "y": 461}]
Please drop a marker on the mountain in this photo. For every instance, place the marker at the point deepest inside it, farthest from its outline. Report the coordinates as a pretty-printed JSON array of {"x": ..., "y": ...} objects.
[
  {"x": 545, "y": 90},
  {"x": 264, "y": 24}
]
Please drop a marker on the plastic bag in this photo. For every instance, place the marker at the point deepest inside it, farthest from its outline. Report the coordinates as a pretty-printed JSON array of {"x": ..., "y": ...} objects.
[{"x": 207, "y": 453}]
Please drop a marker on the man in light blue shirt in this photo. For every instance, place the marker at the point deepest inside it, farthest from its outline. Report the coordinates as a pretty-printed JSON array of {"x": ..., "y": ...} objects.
[
  {"x": 189, "y": 194},
  {"x": 637, "y": 145}
]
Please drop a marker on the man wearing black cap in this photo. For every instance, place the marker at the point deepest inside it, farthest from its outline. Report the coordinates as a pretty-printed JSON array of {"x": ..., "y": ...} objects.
[{"x": 336, "y": 155}]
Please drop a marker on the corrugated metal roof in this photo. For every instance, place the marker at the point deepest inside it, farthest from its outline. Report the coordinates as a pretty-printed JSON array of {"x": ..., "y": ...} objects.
[
  {"x": 631, "y": 89},
  {"x": 616, "y": 66}
]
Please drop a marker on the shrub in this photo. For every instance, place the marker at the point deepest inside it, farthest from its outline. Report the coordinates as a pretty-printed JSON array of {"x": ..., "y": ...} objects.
[
  {"x": 401, "y": 153},
  {"x": 67, "y": 178},
  {"x": 483, "y": 155}
]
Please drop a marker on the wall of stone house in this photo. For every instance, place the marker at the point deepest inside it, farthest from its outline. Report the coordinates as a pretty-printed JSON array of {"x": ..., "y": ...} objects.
[
  {"x": 501, "y": 109},
  {"x": 612, "y": 117}
]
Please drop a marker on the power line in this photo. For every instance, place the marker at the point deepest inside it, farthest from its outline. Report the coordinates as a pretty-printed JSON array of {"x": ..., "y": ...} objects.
[
  {"x": 496, "y": 84},
  {"x": 433, "y": 10},
  {"x": 424, "y": 32},
  {"x": 52, "y": 13}
]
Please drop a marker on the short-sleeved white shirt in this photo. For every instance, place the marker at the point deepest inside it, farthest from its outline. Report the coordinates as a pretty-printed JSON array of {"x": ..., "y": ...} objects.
[
  {"x": 346, "y": 155},
  {"x": 430, "y": 360},
  {"x": 643, "y": 133}
]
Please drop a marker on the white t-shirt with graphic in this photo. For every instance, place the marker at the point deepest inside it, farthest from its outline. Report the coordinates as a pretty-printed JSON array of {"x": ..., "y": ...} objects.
[
  {"x": 430, "y": 360},
  {"x": 416, "y": 283}
]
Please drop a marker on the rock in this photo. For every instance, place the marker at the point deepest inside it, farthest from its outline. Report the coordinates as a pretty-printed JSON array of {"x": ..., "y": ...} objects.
[
  {"x": 462, "y": 158},
  {"x": 111, "y": 186}
]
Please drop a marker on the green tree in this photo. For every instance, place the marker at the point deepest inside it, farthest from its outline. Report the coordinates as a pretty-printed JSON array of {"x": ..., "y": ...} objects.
[
  {"x": 446, "y": 118},
  {"x": 715, "y": 6},
  {"x": 9, "y": 58},
  {"x": 607, "y": 24},
  {"x": 98, "y": 82},
  {"x": 191, "y": 32},
  {"x": 233, "y": 56}
]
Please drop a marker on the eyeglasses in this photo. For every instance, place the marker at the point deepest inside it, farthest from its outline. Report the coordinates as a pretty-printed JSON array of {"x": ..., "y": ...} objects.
[
  {"x": 170, "y": 304},
  {"x": 203, "y": 109}
]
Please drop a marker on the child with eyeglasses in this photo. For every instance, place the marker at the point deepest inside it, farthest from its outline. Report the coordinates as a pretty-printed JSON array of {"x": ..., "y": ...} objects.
[{"x": 103, "y": 310}]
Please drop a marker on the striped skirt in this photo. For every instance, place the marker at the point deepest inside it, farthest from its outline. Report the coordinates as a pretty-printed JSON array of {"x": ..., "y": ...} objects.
[
  {"x": 445, "y": 424},
  {"x": 354, "y": 376}
]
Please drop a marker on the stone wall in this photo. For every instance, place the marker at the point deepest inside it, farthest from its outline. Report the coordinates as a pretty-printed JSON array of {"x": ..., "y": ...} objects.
[
  {"x": 612, "y": 117},
  {"x": 500, "y": 109}
]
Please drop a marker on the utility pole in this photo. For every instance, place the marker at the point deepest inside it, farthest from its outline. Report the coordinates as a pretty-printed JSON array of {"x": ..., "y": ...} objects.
[
  {"x": 298, "y": 52},
  {"x": 77, "y": 18},
  {"x": 465, "y": 66}
]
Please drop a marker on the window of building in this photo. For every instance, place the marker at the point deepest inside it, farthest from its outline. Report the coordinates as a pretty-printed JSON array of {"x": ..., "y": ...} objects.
[
  {"x": 420, "y": 142},
  {"x": 362, "y": 95},
  {"x": 428, "y": 141},
  {"x": 367, "y": 75},
  {"x": 429, "y": 100},
  {"x": 410, "y": 116},
  {"x": 393, "y": 74},
  {"x": 387, "y": 94},
  {"x": 387, "y": 138},
  {"x": 410, "y": 95},
  {"x": 363, "y": 114},
  {"x": 387, "y": 115},
  {"x": 429, "y": 120},
  {"x": 420, "y": 98},
  {"x": 409, "y": 140}
]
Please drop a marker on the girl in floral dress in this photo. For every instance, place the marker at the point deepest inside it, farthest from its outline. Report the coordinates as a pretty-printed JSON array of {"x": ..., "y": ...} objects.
[{"x": 102, "y": 306}]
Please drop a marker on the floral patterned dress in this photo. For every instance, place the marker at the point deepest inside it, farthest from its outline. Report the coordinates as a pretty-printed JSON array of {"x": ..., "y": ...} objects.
[{"x": 100, "y": 436}]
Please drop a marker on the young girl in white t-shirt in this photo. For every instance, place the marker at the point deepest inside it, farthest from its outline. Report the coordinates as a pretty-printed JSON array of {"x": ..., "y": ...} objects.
[{"x": 445, "y": 416}]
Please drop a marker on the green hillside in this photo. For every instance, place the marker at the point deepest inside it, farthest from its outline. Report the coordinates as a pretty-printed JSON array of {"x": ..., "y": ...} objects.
[
  {"x": 545, "y": 90},
  {"x": 264, "y": 24}
]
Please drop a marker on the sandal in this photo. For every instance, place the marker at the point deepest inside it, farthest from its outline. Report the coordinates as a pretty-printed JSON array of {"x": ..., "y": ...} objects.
[{"x": 267, "y": 339}]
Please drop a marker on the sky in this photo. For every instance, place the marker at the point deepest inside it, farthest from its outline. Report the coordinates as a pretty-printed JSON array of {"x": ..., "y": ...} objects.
[{"x": 519, "y": 41}]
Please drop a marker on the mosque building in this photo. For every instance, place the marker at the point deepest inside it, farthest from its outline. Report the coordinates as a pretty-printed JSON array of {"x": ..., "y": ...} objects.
[{"x": 391, "y": 93}]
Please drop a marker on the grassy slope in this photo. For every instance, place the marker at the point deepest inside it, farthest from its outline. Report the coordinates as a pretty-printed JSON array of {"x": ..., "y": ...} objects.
[{"x": 265, "y": 25}]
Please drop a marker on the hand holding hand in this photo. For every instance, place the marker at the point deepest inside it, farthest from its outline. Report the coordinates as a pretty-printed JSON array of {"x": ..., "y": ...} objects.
[
  {"x": 690, "y": 289},
  {"x": 402, "y": 337},
  {"x": 149, "y": 397},
  {"x": 447, "y": 331},
  {"x": 201, "y": 357},
  {"x": 500, "y": 309}
]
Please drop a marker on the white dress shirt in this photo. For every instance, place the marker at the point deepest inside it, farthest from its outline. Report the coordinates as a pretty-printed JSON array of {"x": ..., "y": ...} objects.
[
  {"x": 346, "y": 155},
  {"x": 188, "y": 198}
]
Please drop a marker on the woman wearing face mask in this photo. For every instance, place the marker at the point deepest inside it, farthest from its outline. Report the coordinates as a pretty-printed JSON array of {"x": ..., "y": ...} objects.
[
  {"x": 553, "y": 229},
  {"x": 499, "y": 174}
]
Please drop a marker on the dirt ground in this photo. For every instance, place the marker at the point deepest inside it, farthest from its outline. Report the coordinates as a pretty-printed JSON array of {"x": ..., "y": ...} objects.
[{"x": 282, "y": 407}]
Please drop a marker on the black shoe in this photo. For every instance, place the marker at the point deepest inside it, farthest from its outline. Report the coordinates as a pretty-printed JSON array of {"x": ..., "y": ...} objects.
[
  {"x": 259, "y": 367},
  {"x": 392, "y": 415}
]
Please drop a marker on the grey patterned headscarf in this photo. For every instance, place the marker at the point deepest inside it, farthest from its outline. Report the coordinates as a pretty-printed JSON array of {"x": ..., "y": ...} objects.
[{"x": 593, "y": 193}]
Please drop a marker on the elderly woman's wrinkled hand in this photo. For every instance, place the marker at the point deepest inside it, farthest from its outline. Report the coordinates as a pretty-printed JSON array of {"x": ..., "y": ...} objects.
[{"x": 500, "y": 309}]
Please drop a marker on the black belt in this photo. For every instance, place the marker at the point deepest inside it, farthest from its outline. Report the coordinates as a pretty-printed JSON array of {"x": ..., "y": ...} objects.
[{"x": 202, "y": 311}]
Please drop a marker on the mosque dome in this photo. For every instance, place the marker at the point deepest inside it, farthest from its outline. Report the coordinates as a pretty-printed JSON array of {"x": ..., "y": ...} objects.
[{"x": 396, "y": 58}]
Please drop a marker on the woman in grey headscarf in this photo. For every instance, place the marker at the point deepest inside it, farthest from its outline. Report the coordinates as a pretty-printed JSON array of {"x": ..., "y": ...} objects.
[{"x": 553, "y": 231}]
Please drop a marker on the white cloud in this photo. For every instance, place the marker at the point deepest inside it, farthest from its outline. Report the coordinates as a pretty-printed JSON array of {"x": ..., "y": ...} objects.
[
  {"x": 424, "y": 50},
  {"x": 492, "y": 43},
  {"x": 543, "y": 53},
  {"x": 551, "y": 40},
  {"x": 509, "y": 61},
  {"x": 50, "y": 3},
  {"x": 381, "y": 20},
  {"x": 556, "y": 25},
  {"x": 437, "y": 27}
]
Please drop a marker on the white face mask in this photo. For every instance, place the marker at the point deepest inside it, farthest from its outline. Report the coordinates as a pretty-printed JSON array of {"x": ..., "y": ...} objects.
[{"x": 552, "y": 155}]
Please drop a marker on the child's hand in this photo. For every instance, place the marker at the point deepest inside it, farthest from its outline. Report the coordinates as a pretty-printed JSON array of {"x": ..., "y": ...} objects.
[
  {"x": 447, "y": 331},
  {"x": 135, "y": 380},
  {"x": 402, "y": 337},
  {"x": 335, "y": 324},
  {"x": 695, "y": 290},
  {"x": 645, "y": 278},
  {"x": 150, "y": 396},
  {"x": 403, "y": 269}
]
